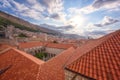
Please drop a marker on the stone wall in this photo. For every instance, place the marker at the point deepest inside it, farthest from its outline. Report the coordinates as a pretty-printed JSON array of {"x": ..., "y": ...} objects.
[
  {"x": 33, "y": 50},
  {"x": 74, "y": 76},
  {"x": 53, "y": 50}
]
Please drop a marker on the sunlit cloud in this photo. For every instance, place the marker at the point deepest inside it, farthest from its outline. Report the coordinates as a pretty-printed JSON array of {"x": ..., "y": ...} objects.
[
  {"x": 98, "y": 5},
  {"x": 77, "y": 20},
  {"x": 106, "y": 21},
  {"x": 67, "y": 16}
]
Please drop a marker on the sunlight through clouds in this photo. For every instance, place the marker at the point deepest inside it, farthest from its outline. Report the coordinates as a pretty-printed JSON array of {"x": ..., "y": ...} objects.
[
  {"x": 83, "y": 16},
  {"x": 77, "y": 20}
]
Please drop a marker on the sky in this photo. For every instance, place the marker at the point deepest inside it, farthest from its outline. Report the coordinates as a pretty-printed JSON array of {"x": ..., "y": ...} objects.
[{"x": 93, "y": 18}]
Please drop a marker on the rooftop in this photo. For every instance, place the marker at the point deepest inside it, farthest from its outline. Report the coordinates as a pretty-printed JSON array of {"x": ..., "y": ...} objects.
[
  {"x": 47, "y": 44},
  {"x": 53, "y": 69},
  {"x": 100, "y": 60},
  {"x": 18, "y": 65},
  {"x": 97, "y": 59}
]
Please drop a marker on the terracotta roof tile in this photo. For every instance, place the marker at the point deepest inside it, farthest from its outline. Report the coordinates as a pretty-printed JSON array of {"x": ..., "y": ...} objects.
[
  {"x": 60, "y": 45},
  {"x": 101, "y": 60},
  {"x": 47, "y": 44},
  {"x": 23, "y": 66},
  {"x": 53, "y": 69},
  {"x": 2, "y": 47},
  {"x": 98, "y": 59}
]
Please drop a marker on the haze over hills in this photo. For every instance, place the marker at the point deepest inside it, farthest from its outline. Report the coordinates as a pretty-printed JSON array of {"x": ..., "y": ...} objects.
[
  {"x": 7, "y": 19},
  {"x": 16, "y": 20},
  {"x": 57, "y": 28},
  {"x": 62, "y": 29}
]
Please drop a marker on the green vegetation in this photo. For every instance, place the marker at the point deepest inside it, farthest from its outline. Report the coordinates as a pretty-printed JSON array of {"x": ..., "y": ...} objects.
[
  {"x": 22, "y": 35},
  {"x": 41, "y": 55},
  {"x": 6, "y": 22},
  {"x": 1, "y": 28}
]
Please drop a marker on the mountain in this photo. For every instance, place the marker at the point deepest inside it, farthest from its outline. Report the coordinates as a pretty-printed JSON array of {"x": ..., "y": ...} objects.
[
  {"x": 7, "y": 19},
  {"x": 73, "y": 36},
  {"x": 62, "y": 29},
  {"x": 57, "y": 28}
]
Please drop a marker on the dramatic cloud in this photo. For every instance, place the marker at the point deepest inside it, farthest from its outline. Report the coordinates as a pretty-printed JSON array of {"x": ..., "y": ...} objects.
[
  {"x": 97, "y": 33},
  {"x": 5, "y": 3},
  {"x": 98, "y": 5},
  {"x": 67, "y": 27},
  {"x": 36, "y": 9},
  {"x": 32, "y": 9},
  {"x": 55, "y": 16},
  {"x": 106, "y": 21},
  {"x": 34, "y": 4},
  {"x": 54, "y": 8},
  {"x": 70, "y": 16},
  {"x": 106, "y": 3},
  {"x": 58, "y": 28}
]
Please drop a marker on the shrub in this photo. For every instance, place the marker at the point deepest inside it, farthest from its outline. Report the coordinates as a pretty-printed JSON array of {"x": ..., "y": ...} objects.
[{"x": 41, "y": 55}]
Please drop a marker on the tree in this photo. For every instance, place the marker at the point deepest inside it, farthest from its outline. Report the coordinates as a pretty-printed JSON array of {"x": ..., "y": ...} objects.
[{"x": 22, "y": 35}]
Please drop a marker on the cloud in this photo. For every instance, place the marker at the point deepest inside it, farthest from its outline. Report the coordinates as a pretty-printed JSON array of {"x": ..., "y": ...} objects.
[
  {"x": 37, "y": 9},
  {"x": 34, "y": 4},
  {"x": 97, "y": 5},
  {"x": 66, "y": 27},
  {"x": 54, "y": 9},
  {"x": 106, "y": 3},
  {"x": 96, "y": 33},
  {"x": 58, "y": 28},
  {"x": 22, "y": 9},
  {"x": 55, "y": 16},
  {"x": 5, "y": 3},
  {"x": 53, "y": 6},
  {"x": 106, "y": 21}
]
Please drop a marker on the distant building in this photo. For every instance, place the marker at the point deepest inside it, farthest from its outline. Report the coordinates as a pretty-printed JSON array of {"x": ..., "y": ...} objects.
[{"x": 9, "y": 32}]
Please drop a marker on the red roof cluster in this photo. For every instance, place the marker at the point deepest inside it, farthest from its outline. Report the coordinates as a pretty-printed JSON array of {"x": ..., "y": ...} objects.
[
  {"x": 47, "y": 44},
  {"x": 2, "y": 47},
  {"x": 17, "y": 65},
  {"x": 98, "y": 59},
  {"x": 53, "y": 69},
  {"x": 102, "y": 62}
]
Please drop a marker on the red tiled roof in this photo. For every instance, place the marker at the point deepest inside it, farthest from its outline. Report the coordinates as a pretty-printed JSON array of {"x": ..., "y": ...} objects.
[
  {"x": 47, "y": 44},
  {"x": 18, "y": 65},
  {"x": 53, "y": 69},
  {"x": 26, "y": 67},
  {"x": 2, "y": 47},
  {"x": 99, "y": 59}
]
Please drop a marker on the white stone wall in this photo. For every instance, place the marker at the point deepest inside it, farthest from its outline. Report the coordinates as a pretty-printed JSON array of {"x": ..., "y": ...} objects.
[
  {"x": 33, "y": 50},
  {"x": 53, "y": 50}
]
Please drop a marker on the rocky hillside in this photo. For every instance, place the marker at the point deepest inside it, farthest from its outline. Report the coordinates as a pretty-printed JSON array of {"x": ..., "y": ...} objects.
[{"x": 7, "y": 19}]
